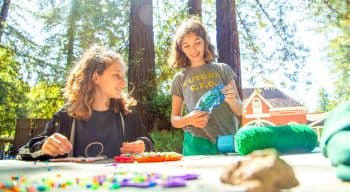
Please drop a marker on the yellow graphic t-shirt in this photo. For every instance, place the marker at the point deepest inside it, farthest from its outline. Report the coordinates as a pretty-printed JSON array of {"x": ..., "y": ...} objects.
[{"x": 191, "y": 83}]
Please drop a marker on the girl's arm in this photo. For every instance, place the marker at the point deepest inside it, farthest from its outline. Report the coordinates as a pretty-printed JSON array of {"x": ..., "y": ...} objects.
[
  {"x": 137, "y": 138},
  {"x": 195, "y": 118}
]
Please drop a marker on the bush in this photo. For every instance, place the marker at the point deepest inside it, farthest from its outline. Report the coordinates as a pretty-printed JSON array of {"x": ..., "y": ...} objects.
[
  {"x": 159, "y": 108},
  {"x": 167, "y": 141}
]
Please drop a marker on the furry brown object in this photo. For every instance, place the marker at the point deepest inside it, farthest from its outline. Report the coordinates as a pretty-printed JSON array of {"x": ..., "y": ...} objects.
[{"x": 261, "y": 171}]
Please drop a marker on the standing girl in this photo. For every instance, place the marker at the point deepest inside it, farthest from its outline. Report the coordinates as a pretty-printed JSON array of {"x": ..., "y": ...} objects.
[{"x": 193, "y": 52}]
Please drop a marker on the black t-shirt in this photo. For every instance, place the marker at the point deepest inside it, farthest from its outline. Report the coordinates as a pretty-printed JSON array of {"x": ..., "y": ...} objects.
[{"x": 103, "y": 131}]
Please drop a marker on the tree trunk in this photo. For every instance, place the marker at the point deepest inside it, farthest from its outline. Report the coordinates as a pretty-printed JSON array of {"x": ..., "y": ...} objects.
[
  {"x": 3, "y": 16},
  {"x": 142, "y": 56},
  {"x": 227, "y": 38},
  {"x": 72, "y": 19},
  {"x": 195, "y": 7}
]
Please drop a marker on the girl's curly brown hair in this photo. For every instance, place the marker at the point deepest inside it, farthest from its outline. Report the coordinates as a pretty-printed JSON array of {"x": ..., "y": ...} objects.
[
  {"x": 80, "y": 87},
  {"x": 177, "y": 57}
]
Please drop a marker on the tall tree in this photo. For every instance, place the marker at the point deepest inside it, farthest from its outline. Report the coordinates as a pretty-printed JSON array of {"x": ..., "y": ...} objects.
[
  {"x": 15, "y": 34},
  {"x": 142, "y": 55},
  {"x": 12, "y": 94},
  {"x": 71, "y": 32},
  {"x": 72, "y": 26},
  {"x": 3, "y": 15},
  {"x": 195, "y": 7},
  {"x": 227, "y": 38}
]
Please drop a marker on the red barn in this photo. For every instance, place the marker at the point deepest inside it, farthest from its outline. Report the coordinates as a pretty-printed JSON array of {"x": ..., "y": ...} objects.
[{"x": 270, "y": 106}]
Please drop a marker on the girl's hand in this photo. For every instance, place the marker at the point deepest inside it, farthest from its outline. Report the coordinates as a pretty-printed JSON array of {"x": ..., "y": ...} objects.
[
  {"x": 56, "y": 144},
  {"x": 197, "y": 118},
  {"x": 137, "y": 146},
  {"x": 232, "y": 98},
  {"x": 230, "y": 92}
]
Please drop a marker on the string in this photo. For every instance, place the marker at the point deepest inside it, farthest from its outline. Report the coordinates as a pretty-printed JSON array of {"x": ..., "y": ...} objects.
[{"x": 94, "y": 143}]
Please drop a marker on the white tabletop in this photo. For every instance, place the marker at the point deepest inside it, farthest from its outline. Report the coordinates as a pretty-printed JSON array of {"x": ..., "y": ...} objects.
[{"x": 312, "y": 170}]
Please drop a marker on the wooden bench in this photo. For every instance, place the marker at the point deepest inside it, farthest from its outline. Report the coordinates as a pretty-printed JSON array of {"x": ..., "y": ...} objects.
[{"x": 27, "y": 129}]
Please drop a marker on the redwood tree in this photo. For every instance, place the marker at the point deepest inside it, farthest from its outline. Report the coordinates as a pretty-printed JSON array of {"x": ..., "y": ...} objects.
[
  {"x": 227, "y": 38},
  {"x": 71, "y": 32},
  {"x": 142, "y": 56},
  {"x": 3, "y": 15},
  {"x": 195, "y": 7}
]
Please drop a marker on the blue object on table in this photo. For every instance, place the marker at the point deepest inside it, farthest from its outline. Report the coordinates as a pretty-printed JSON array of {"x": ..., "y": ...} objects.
[{"x": 225, "y": 143}]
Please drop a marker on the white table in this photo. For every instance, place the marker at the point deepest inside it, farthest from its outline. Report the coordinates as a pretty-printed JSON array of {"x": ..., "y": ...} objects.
[{"x": 313, "y": 171}]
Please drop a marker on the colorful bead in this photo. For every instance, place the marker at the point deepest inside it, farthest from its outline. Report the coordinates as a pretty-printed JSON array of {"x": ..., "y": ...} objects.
[{"x": 116, "y": 180}]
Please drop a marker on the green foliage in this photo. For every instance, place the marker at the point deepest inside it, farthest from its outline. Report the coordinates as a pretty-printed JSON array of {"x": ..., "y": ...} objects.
[
  {"x": 166, "y": 141},
  {"x": 325, "y": 103},
  {"x": 44, "y": 100},
  {"x": 12, "y": 94},
  {"x": 19, "y": 39},
  {"x": 339, "y": 54},
  {"x": 335, "y": 16},
  {"x": 160, "y": 106}
]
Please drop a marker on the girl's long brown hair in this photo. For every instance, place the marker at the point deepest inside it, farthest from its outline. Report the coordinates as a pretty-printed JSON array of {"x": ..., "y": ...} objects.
[
  {"x": 80, "y": 87},
  {"x": 177, "y": 57}
]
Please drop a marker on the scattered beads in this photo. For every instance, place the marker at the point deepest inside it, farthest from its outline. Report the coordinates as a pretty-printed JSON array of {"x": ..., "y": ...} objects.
[{"x": 113, "y": 181}]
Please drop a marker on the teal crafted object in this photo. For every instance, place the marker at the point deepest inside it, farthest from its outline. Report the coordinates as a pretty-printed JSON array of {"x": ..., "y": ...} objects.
[
  {"x": 211, "y": 99},
  {"x": 284, "y": 138},
  {"x": 335, "y": 141}
]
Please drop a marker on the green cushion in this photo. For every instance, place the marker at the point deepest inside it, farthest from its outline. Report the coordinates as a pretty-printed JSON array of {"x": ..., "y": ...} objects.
[
  {"x": 197, "y": 145},
  {"x": 284, "y": 138}
]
